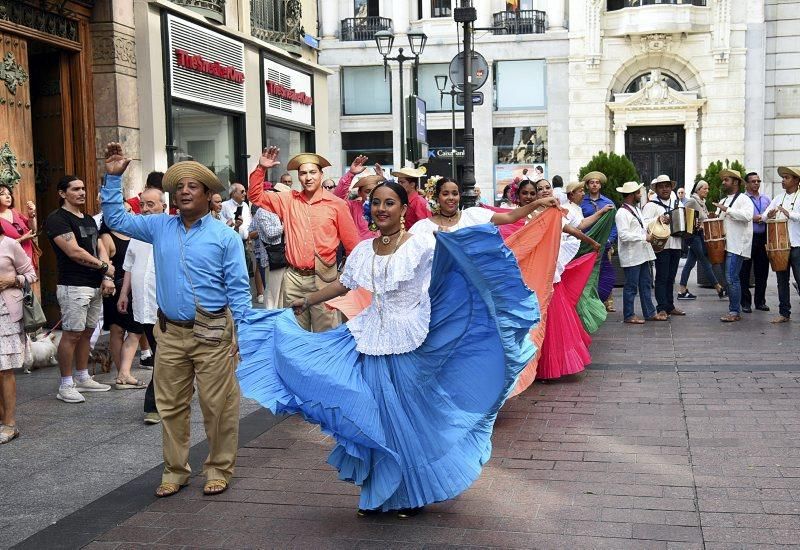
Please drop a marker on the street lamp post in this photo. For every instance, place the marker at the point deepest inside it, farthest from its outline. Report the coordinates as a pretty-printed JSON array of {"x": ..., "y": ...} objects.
[
  {"x": 384, "y": 40},
  {"x": 467, "y": 15},
  {"x": 441, "y": 82}
]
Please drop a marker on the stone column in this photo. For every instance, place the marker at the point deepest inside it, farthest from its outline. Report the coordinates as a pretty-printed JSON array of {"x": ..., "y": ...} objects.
[
  {"x": 619, "y": 138},
  {"x": 116, "y": 106},
  {"x": 330, "y": 18},
  {"x": 690, "y": 161},
  {"x": 400, "y": 21},
  {"x": 555, "y": 15}
]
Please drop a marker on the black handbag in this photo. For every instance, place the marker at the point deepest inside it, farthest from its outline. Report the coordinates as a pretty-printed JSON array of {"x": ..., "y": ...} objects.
[
  {"x": 32, "y": 315},
  {"x": 276, "y": 254}
]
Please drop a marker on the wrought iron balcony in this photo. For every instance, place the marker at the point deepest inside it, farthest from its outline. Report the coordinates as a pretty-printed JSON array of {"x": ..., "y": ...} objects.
[
  {"x": 211, "y": 9},
  {"x": 519, "y": 22},
  {"x": 620, "y": 4},
  {"x": 278, "y": 22},
  {"x": 363, "y": 28}
]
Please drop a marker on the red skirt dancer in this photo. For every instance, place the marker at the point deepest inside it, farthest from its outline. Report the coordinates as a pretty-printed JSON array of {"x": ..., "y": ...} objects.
[{"x": 565, "y": 349}]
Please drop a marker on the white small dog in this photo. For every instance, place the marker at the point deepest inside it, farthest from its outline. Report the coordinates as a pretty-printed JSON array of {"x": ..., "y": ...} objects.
[{"x": 43, "y": 352}]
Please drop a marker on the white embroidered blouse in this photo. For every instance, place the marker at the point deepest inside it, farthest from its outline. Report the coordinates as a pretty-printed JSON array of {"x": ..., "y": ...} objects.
[{"x": 397, "y": 319}]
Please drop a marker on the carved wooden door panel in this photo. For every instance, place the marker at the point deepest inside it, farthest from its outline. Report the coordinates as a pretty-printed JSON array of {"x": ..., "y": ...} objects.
[{"x": 16, "y": 140}]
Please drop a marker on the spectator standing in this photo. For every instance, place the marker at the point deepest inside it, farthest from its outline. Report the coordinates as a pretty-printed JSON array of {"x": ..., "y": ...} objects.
[
  {"x": 266, "y": 233},
  {"x": 236, "y": 212},
  {"x": 85, "y": 276},
  {"x": 16, "y": 226},
  {"x": 216, "y": 206},
  {"x": 139, "y": 292},
  {"x": 758, "y": 263},
  {"x": 16, "y": 268}
]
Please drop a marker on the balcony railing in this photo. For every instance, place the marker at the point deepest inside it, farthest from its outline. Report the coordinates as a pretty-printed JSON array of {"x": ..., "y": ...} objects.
[
  {"x": 277, "y": 21},
  {"x": 363, "y": 28},
  {"x": 519, "y": 22},
  {"x": 211, "y": 9},
  {"x": 614, "y": 5}
]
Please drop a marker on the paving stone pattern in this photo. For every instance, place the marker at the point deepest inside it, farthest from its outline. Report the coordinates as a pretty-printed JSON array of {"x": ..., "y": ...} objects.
[{"x": 666, "y": 453}]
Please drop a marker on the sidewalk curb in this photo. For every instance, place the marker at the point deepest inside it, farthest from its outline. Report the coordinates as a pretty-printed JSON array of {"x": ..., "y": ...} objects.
[{"x": 86, "y": 524}]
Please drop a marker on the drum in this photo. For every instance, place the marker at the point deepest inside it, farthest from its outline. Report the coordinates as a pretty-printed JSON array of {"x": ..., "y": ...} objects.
[
  {"x": 778, "y": 247},
  {"x": 660, "y": 233},
  {"x": 714, "y": 235},
  {"x": 681, "y": 222}
]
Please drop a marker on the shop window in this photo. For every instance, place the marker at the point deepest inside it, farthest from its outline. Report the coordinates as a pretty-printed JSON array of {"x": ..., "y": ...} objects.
[
  {"x": 428, "y": 90},
  {"x": 519, "y": 152},
  {"x": 364, "y": 91},
  {"x": 377, "y": 146},
  {"x": 520, "y": 85},
  {"x": 441, "y": 8},
  {"x": 206, "y": 137},
  {"x": 290, "y": 142}
]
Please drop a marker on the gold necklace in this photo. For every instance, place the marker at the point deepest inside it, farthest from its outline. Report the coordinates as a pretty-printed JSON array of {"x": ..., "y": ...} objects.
[{"x": 457, "y": 216}]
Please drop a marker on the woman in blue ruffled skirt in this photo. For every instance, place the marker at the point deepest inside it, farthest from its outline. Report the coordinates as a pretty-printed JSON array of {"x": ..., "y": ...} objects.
[{"x": 410, "y": 388}]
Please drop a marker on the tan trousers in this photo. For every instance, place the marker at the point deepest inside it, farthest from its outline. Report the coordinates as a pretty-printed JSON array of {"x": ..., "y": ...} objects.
[
  {"x": 275, "y": 288},
  {"x": 317, "y": 318},
  {"x": 182, "y": 360}
]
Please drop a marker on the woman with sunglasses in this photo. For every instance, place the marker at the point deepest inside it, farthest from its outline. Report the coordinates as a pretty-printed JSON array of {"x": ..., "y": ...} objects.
[
  {"x": 16, "y": 226},
  {"x": 410, "y": 388}
]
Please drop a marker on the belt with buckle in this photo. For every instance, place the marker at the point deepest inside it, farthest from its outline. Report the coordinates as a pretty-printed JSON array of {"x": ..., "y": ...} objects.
[
  {"x": 302, "y": 271},
  {"x": 163, "y": 319}
]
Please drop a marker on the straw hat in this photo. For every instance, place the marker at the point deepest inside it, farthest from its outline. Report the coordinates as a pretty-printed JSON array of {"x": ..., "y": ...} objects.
[
  {"x": 573, "y": 186},
  {"x": 629, "y": 187},
  {"x": 730, "y": 174},
  {"x": 789, "y": 171},
  {"x": 307, "y": 158},
  {"x": 663, "y": 178},
  {"x": 190, "y": 169},
  {"x": 368, "y": 180},
  {"x": 410, "y": 172},
  {"x": 281, "y": 187},
  {"x": 595, "y": 176}
]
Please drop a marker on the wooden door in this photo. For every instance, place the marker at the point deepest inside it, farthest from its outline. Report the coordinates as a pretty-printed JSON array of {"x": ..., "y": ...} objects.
[
  {"x": 656, "y": 150},
  {"x": 16, "y": 139}
]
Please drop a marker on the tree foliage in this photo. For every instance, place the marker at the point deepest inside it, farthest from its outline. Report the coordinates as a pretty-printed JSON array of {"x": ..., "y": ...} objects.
[
  {"x": 711, "y": 177},
  {"x": 617, "y": 168}
]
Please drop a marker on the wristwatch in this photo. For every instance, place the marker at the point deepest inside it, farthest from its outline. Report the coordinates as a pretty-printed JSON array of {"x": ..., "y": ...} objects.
[{"x": 103, "y": 267}]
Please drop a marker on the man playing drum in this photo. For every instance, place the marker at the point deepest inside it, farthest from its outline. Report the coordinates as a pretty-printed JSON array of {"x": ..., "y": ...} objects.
[
  {"x": 736, "y": 212},
  {"x": 785, "y": 206},
  {"x": 667, "y": 259}
]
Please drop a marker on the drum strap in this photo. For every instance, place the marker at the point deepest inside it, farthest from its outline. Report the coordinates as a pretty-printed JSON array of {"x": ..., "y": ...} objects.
[
  {"x": 794, "y": 199},
  {"x": 633, "y": 213},
  {"x": 666, "y": 207},
  {"x": 736, "y": 196}
]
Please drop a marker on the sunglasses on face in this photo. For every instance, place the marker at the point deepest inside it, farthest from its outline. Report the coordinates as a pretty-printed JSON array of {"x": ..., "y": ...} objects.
[{"x": 329, "y": 187}]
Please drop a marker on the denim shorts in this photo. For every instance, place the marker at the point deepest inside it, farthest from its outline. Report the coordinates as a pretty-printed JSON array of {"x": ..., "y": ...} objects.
[{"x": 80, "y": 307}]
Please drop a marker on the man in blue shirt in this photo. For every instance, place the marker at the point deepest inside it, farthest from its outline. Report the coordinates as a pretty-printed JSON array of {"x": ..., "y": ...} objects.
[
  {"x": 758, "y": 262},
  {"x": 593, "y": 202},
  {"x": 201, "y": 281}
]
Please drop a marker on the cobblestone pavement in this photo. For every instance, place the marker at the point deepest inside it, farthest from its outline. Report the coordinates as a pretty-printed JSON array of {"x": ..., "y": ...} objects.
[{"x": 683, "y": 435}]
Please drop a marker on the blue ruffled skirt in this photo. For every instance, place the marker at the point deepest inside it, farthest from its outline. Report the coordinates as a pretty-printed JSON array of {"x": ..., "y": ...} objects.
[{"x": 411, "y": 428}]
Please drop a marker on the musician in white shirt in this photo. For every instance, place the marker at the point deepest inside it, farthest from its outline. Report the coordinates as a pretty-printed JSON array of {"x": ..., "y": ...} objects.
[
  {"x": 668, "y": 259},
  {"x": 786, "y": 206},
  {"x": 635, "y": 254},
  {"x": 736, "y": 212}
]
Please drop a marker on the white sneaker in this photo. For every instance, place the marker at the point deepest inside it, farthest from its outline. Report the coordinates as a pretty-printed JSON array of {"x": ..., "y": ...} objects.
[
  {"x": 89, "y": 385},
  {"x": 68, "y": 394},
  {"x": 260, "y": 298}
]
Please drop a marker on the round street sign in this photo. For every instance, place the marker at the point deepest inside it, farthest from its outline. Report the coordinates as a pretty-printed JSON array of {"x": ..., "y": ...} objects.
[{"x": 480, "y": 71}]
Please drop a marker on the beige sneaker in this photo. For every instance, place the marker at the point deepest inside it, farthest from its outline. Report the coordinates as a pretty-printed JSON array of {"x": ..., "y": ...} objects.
[
  {"x": 152, "y": 418},
  {"x": 89, "y": 385}
]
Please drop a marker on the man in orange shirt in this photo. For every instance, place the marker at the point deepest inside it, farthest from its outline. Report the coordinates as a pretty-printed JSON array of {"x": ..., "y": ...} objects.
[
  {"x": 315, "y": 222},
  {"x": 417, "y": 205}
]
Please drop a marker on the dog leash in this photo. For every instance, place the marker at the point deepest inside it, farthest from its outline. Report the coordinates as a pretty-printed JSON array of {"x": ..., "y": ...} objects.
[{"x": 46, "y": 334}]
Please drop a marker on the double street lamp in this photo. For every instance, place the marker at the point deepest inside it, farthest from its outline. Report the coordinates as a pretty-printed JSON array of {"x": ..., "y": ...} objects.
[
  {"x": 441, "y": 82},
  {"x": 384, "y": 40}
]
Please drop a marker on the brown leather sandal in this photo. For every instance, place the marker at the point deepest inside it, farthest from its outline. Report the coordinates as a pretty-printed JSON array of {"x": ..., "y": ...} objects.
[
  {"x": 634, "y": 320},
  {"x": 215, "y": 487},
  {"x": 730, "y": 318},
  {"x": 167, "y": 489}
]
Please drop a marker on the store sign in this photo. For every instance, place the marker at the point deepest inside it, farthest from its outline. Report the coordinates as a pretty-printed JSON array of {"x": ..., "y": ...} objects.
[
  {"x": 288, "y": 93},
  {"x": 198, "y": 63},
  {"x": 273, "y": 88},
  {"x": 206, "y": 67},
  {"x": 446, "y": 153}
]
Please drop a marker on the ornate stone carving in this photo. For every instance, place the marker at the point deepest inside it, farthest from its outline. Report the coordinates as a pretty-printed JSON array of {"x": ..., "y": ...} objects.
[
  {"x": 721, "y": 31},
  {"x": 36, "y": 18},
  {"x": 593, "y": 38},
  {"x": 114, "y": 48},
  {"x": 655, "y": 43},
  {"x": 12, "y": 73},
  {"x": 8, "y": 166}
]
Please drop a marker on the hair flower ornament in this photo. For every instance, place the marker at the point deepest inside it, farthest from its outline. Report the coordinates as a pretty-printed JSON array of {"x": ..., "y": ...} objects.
[{"x": 430, "y": 193}]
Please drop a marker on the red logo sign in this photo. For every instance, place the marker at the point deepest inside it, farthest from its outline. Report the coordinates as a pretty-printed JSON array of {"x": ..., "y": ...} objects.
[
  {"x": 213, "y": 68},
  {"x": 273, "y": 88}
]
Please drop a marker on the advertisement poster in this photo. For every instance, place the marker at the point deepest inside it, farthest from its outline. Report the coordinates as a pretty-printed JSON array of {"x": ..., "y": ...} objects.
[{"x": 504, "y": 174}]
